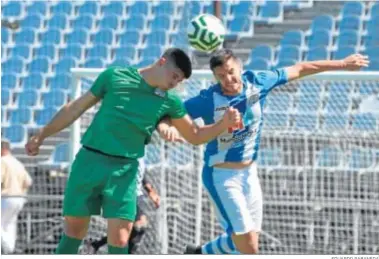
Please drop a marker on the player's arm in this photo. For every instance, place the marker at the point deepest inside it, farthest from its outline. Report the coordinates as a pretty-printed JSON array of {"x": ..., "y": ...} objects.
[
  {"x": 197, "y": 135},
  {"x": 153, "y": 194},
  {"x": 301, "y": 69},
  {"x": 64, "y": 118}
]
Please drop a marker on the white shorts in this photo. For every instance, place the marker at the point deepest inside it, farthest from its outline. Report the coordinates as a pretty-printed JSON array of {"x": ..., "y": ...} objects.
[{"x": 237, "y": 196}]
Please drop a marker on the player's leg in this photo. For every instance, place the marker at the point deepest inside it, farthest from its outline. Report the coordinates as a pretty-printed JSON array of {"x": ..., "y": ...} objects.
[
  {"x": 120, "y": 203},
  {"x": 81, "y": 200}
]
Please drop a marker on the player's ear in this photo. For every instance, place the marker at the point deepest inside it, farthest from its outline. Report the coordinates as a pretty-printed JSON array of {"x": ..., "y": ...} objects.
[{"x": 162, "y": 61}]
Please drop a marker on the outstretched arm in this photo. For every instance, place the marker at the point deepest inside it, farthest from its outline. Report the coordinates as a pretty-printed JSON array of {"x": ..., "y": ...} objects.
[
  {"x": 352, "y": 62},
  {"x": 65, "y": 117}
]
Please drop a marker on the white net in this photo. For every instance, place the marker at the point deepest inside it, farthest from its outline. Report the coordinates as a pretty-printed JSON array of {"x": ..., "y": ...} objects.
[{"x": 318, "y": 166}]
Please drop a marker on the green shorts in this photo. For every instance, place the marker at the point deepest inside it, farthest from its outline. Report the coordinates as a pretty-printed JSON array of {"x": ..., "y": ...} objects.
[{"x": 98, "y": 181}]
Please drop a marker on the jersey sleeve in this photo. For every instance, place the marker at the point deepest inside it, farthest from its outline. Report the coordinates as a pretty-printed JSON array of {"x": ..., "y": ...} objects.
[
  {"x": 99, "y": 87},
  {"x": 197, "y": 106},
  {"x": 176, "y": 110},
  {"x": 269, "y": 79}
]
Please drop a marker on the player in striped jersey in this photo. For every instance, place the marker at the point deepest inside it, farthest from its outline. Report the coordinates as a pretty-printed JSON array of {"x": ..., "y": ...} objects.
[
  {"x": 230, "y": 172},
  {"x": 140, "y": 225}
]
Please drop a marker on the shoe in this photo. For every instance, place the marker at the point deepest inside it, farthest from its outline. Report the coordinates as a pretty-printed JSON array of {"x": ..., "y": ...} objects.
[{"x": 190, "y": 249}]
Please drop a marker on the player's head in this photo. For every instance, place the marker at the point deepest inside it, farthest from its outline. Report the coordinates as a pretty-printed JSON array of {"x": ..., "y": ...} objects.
[
  {"x": 227, "y": 69},
  {"x": 174, "y": 66},
  {"x": 5, "y": 147}
]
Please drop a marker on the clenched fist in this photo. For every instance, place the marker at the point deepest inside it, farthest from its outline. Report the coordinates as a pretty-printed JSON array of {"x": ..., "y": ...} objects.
[
  {"x": 32, "y": 147},
  {"x": 356, "y": 62},
  {"x": 232, "y": 118}
]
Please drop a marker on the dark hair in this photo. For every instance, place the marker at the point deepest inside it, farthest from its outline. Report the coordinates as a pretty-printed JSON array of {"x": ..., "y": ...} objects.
[
  {"x": 219, "y": 57},
  {"x": 180, "y": 59}
]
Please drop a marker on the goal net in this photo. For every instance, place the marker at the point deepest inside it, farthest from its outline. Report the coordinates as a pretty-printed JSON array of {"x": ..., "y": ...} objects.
[{"x": 318, "y": 166}]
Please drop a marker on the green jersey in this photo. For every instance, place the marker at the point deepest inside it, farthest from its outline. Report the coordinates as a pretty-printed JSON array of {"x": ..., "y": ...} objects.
[{"x": 129, "y": 112}]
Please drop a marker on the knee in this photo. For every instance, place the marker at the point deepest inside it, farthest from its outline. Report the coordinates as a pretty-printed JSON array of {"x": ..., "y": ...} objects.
[
  {"x": 76, "y": 228},
  {"x": 119, "y": 241},
  {"x": 119, "y": 232}
]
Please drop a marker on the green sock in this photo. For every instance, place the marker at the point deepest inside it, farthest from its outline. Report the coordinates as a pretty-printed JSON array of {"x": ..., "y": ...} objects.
[
  {"x": 68, "y": 245},
  {"x": 117, "y": 250}
]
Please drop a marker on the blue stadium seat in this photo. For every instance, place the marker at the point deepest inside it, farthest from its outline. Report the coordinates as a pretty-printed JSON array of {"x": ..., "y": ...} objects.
[
  {"x": 25, "y": 35},
  {"x": 239, "y": 24},
  {"x": 98, "y": 51},
  {"x": 372, "y": 25},
  {"x": 153, "y": 51},
  {"x": 322, "y": 22},
  {"x": 317, "y": 53},
  {"x": 40, "y": 65},
  {"x": 164, "y": 7},
  {"x": 64, "y": 65},
  {"x": 285, "y": 63},
  {"x": 16, "y": 134},
  {"x": 127, "y": 52},
  {"x": 374, "y": 66},
  {"x": 53, "y": 98},
  {"x": 9, "y": 80},
  {"x": 319, "y": 38},
  {"x": 72, "y": 50},
  {"x": 269, "y": 157},
  {"x": 146, "y": 62},
  {"x": 161, "y": 22},
  {"x": 276, "y": 120},
  {"x": 258, "y": 64},
  {"x": 375, "y": 10},
  {"x": 276, "y": 102},
  {"x": 114, "y": 8},
  {"x": 5, "y": 96},
  {"x": 365, "y": 122},
  {"x": 58, "y": 22},
  {"x": 27, "y": 98},
  {"x": 371, "y": 39},
  {"x": 343, "y": 52},
  {"x": 367, "y": 88},
  {"x": 47, "y": 50},
  {"x": 61, "y": 153},
  {"x": 4, "y": 115},
  {"x": 60, "y": 81},
  {"x": 289, "y": 52},
  {"x": 338, "y": 103},
  {"x": 140, "y": 7},
  {"x": 294, "y": 37},
  {"x": 32, "y": 21},
  {"x": 335, "y": 122},
  {"x": 271, "y": 9},
  {"x": 109, "y": 22},
  {"x": 156, "y": 37},
  {"x": 12, "y": 8},
  {"x": 63, "y": 7},
  {"x": 242, "y": 8},
  {"x": 52, "y": 36},
  {"x": 37, "y": 7},
  {"x": 13, "y": 65},
  {"x": 153, "y": 155},
  {"x": 348, "y": 38},
  {"x": 329, "y": 157},
  {"x": 94, "y": 63},
  {"x": 306, "y": 122},
  {"x": 42, "y": 117},
  {"x": 84, "y": 21},
  {"x": 4, "y": 35},
  {"x": 20, "y": 116},
  {"x": 226, "y": 9},
  {"x": 103, "y": 36},
  {"x": 89, "y": 8},
  {"x": 78, "y": 36},
  {"x": 21, "y": 50},
  {"x": 353, "y": 8},
  {"x": 33, "y": 81},
  {"x": 262, "y": 51},
  {"x": 135, "y": 22},
  {"x": 194, "y": 7},
  {"x": 361, "y": 158},
  {"x": 121, "y": 62},
  {"x": 350, "y": 23}
]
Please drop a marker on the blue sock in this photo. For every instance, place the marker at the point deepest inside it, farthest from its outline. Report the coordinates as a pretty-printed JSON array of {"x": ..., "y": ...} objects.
[{"x": 223, "y": 244}]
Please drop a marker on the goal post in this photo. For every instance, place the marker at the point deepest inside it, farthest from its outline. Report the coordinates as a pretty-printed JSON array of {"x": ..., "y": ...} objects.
[{"x": 318, "y": 166}]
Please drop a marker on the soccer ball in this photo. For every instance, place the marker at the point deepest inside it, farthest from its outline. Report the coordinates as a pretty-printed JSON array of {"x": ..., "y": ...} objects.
[{"x": 206, "y": 32}]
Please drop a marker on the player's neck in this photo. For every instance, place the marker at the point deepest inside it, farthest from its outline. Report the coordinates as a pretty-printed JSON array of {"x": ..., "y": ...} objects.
[{"x": 148, "y": 74}]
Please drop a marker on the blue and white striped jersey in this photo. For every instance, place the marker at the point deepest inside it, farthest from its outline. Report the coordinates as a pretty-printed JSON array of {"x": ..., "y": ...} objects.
[{"x": 241, "y": 144}]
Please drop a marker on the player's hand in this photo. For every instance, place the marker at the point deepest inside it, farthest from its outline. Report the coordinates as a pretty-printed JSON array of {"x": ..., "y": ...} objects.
[
  {"x": 171, "y": 134},
  {"x": 232, "y": 118},
  {"x": 356, "y": 62},
  {"x": 155, "y": 199},
  {"x": 32, "y": 147}
]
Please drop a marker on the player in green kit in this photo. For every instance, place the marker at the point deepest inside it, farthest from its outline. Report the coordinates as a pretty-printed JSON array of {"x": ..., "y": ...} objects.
[{"x": 103, "y": 175}]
